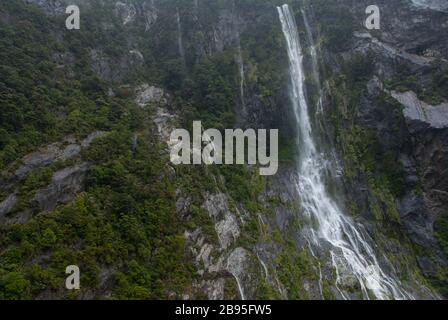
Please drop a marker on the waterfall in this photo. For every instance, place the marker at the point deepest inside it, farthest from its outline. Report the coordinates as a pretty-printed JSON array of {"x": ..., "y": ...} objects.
[
  {"x": 240, "y": 62},
  {"x": 239, "y": 56},
  {"x": 314, "y": 61},
  {"x": 180, "y": 42},
  {"x": 348, "y": 243}
]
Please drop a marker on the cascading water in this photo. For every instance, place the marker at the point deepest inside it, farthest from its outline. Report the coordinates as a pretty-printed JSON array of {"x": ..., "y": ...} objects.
[
  {"x": 180, "y": 42},
  {"x": 239, "y": 56},
  {"x": 314, "y": 60},
  {"x": 240, "y": 62},
  {"x": 350, "y": 251}
]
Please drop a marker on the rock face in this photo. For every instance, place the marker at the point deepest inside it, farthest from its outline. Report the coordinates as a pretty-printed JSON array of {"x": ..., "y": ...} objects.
[
  {"x": 237, "y": 264},
  {"x": 412, "y": 37},
  {"x": 65, "y": 185},
  {"x": 53, "y": 7},
  {"x": 439, "y": 5},
  {"x": 417, "y": 110},
  {"x": 164, "y": 118},
  {"x": 147, "y": 94},
  {"x": 46, "y": 156},
  {"x": 60, "y": 151},
  {"x": 414, "y": 33},
  {"x": 225, "y": 222},
  {"x": 125, "y": 11},
  {"x": 8, "y": 204}
]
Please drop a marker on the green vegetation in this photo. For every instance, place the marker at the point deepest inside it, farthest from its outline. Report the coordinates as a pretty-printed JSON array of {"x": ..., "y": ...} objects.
[
  {"x": 295, "y": 269},
  {"x": 363, "y": 153},
  {"x": 433, "y": 91},
  {"x": 123, "y": 232},
  {"x": 336, "y": 25}
]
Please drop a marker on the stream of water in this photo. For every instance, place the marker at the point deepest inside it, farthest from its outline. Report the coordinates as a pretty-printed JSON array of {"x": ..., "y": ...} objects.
[{"x": 350, "y": 250}]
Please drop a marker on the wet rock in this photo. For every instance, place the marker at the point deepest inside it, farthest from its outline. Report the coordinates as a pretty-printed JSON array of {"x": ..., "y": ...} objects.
[
  {"x": 101, "y": 65},
  {"x": 427, "y": 266},
  {"x": 227, "y": 30},
  {"x": 237, "y": 265}
]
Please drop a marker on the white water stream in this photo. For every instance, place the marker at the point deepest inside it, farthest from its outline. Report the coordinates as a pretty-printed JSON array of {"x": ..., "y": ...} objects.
[{"x": 351, "y": 253}]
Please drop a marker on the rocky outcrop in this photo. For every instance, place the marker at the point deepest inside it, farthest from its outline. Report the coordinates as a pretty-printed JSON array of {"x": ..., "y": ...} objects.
[
  {"x": 410, "y": 35},
  {"x": 52, "y": 7},
  {"x": 65, "y": 185},
  {"x": 164, "y": 118},
  {"x": 439, "y": 5},
  {"x": 146, "y": 94},
  {"x": 410, "y": 49},
  {"x": 60, "y": 151},
  {"x": 45, "y": 156},
  {"x": 237, "y": 264},
  {"x": 417, "y": 110},
  {"x": 125, "y": 11},
  {"x": 8, "y": 204},
  {"x": 226, "y": 225},
  {"x": 389, "y": 51},
  {"x": 116, "y": 68}
]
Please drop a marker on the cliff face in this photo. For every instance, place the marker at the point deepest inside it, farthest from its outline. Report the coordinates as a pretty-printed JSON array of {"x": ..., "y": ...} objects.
[
  {"x": 402, "y": 108},
  {"x": 151, "y": 230}
]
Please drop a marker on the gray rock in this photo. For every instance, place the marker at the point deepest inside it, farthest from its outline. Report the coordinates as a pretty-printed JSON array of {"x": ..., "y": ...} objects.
[
  {"x": 65, "y": 185},
  {"x": 165, "y": 124},
  {"x": 150, "y": 13},
  {"x": 45, "y": 156},
  {"x": 92, "y": 137},
  {"x": 438, "y": 5},
  {"x": 8, "y": 204},
  {"x": 389, "y": 51},
  {"x": 236, "y": 264},
  {"x": 227, "y": 230},
  {"x": 427, "y": 266},
  {"x": 55, "y": 152},
  {"x": 214, "y": 288},
  {"x": 149, "y": 94},
  {"x": 52, "y": 7},
  {"x": 182, "y": 204},
  {"x": 417, "y": 110},
  {"x": 125, "y": 11},
  {"x": 226, "y": 225}
]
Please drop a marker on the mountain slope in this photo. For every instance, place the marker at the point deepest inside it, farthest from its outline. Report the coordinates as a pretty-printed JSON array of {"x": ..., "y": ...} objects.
[{"x": 86, "y": 178}]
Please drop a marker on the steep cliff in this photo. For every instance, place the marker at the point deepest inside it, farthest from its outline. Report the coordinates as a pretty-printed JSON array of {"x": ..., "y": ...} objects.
[{"x": 86, "y": 177}]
